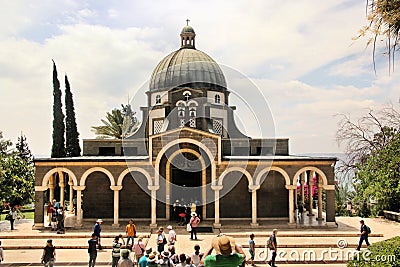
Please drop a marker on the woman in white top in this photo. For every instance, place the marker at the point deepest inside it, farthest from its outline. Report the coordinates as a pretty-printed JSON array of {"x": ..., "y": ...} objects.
[{"x": 196, "y": 255}]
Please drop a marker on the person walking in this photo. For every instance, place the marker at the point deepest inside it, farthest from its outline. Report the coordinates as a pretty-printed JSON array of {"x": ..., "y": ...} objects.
[
  {"x": 252, "y": 249},
  {"x": 116, "y": 251},
  {"x": 12, "y": 215},
  {"x": 364, "y": 229},
  {"x": 349, "y": 209},
  {"x": 273, "y": 247},
  {"x": 194, "y": 223},
  {"x": 97, "y": 231},
  {"x": 1, "y": 253},
  {"x": 60, "y": 221},
  {"x": 171, "y": 235},
  {"x": 139, "y": 249},
  {"x": 49, "y": 211},
  {"x": 130, "y": 230},
  {"x": 92, "y": 250},
  {"x": 161, "y": 240},
  {"x": 49, "y": 254},
  {"x": 53, "y": 219}
]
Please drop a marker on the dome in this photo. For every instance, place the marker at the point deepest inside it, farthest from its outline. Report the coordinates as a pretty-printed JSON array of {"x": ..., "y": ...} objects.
[
  {"x": 187, "y": 66},
  {"x": 187, "y": 28}
]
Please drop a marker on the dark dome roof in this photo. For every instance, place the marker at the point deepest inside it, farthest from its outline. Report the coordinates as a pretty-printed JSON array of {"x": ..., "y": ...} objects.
[
  {"x": 187, "y": 28},
  {"x": 186, "y": 66}
]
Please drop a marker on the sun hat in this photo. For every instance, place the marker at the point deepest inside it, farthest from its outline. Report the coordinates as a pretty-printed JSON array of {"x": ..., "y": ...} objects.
[
  {"x": 148, "y": 251},
  {"x": 194, "y": 213},
  {"x": 169, "y": 227},
  {"x": 152, "y": 258},
  {"x": 99, "y": 220},
  {"x": 223, "y": 244},
  {"x": 165, "y": 254}
]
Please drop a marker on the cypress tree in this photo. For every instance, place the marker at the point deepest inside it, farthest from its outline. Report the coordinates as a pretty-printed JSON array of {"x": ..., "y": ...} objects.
[
  {"x": 23, "y": 149},
  {"x": 72, "y": 147},
  {"x": 58, "y": 148}
]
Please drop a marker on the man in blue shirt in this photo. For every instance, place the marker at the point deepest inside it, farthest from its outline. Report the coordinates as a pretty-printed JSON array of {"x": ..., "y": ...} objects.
[
  {"x": 97, "y": 230},
  {"x": 363, "y": 235},
  {"x": 144, "y": 260}
]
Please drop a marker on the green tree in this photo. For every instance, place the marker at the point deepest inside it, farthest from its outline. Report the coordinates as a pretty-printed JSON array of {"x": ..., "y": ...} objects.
[
  {"x": 119, "y": 123},
  {"x": 384, "y": 21},
  {"x": 72, "y": 147},
  {"x": 4, "y": 144},
  {"x": 58, "y": 148},
  {"x": 17, "y": 174},
  {"x": 377, "y": 180}
]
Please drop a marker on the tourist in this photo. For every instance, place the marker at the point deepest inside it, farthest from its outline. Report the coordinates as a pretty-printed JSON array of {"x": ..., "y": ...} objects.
[
  {"x": 273, "y": 247},
  {"x": 182, "y": 261},
  {"x": 364, "y": 229},
  {"x": 60, "y": 220},
  {"x": 130, "y": 230},
  {"x": 56, "y": 204},
  {"x": 300, "y": 210},
  {"x": 49, "y": 211},
  {"x": 92, "y": 250},
  {"x": 12, "y": 216},
  {"x": 161, "y": 240},
  {"x": 97, "y": 231},
  {"x": 194, "y": 223},
  {"x": 224, "y": 247},
  {"x": 139, "y": 249},
  {"x": 116, "y": 251},
  {"x": 53, "y": 219},
  {"x": 171, "y": 235},
  {"x": 152, "y": 261},
  {"x": 165, "y": 261},
  {"x": 349, "y": 209},
  {"x": 189, "y": 262},
  {"x": 174, "y": 257},
  {"x": 49, "y": 254},
  {"x": 196, "y": 257},
  {"x": 144, "y": 260},
  {"x": 125, "y": 261},
  {"x": 252, "y": 249},
  {"x": 1, "y": 253}
]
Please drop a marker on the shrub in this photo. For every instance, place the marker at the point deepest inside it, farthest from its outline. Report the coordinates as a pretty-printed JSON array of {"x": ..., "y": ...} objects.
[{"x": 384, "y": 253}]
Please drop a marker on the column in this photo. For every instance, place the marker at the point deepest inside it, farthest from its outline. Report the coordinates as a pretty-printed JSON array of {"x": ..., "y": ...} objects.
[
  {"x": 51, "y": 187},
  {"x": 310, "y": 196},
  {"x": 39, "y": 207},
  {"x": 330, "y": 205},
  {"x": 302, "y": 176},
  {"x": 153, "y": 189},
  {"x": 291, "y": 189},
  {"x": 116, "y": 189},
  {"x": 79, "y": 214},
  {"x": 62, "y": 187},
  {"x": 319, "y": 218},
  {"x": 253, "y": 190},
  {"x": 71, "y": 195},
  {"x": 216, "y": 189}
]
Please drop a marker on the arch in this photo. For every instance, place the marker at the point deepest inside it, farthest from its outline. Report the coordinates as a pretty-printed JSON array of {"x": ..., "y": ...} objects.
[
  {"x": 179, "y": 141},
  {"x": 134, "y": 169},
  {"x": 310, "y": 168},
  {"x": 180, "y": 103},
  {"x": 58, "y": 169},
  {"x": 239, "y": 169},
  {"x": 273, "y": 168},
  {"x": 192, "y": 103},
  {"x": 97, "y": 169}
]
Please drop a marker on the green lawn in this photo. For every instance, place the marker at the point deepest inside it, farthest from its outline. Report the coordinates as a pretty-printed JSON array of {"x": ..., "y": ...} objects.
[{"x": 28, "y": 215}]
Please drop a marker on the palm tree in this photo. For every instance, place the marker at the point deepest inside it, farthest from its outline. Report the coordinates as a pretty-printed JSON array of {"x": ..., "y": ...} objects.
[{"x": 119, "y": 124}]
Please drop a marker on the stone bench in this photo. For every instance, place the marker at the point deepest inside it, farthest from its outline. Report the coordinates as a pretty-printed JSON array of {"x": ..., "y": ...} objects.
[{"x": 391, "y": 215}]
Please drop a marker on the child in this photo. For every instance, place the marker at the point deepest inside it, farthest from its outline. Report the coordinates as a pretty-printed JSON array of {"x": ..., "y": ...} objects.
[{"x": 252, "y": 249}]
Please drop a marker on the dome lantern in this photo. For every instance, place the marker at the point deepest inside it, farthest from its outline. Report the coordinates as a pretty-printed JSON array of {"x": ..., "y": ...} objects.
[{"x": 187, "y": 36}]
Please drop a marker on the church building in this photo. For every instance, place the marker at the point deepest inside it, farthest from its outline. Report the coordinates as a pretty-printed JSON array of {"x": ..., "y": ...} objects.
[{"x": 188, "y": 152}]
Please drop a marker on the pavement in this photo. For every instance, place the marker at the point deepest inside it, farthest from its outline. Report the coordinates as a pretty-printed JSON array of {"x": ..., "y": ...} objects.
[{"x": 23, "y": 246}]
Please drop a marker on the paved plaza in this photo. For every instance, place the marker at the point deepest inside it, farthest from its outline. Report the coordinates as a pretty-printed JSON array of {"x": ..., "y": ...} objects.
[{"x": 22, "y": 247}]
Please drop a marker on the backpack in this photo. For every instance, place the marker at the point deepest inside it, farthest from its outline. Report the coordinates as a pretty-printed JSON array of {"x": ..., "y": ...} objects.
[
  {"x": 368, "y": 229},
  {"x": 269, "y": 243}
]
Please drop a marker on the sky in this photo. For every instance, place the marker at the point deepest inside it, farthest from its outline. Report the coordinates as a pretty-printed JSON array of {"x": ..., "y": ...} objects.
[{"x": 301, "y": 55}]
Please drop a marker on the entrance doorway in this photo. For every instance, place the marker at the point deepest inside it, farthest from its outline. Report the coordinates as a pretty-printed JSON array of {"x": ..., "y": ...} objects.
[{"x": 186, "y": 192}]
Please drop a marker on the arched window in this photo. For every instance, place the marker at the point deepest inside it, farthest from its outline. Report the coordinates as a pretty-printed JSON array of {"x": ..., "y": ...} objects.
[
  {"x": 158, "y": 99},
  {"x": 217, "y": 99},
  {"x": 192, "y": 112},
  {"x": 181, "y": 112}
]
